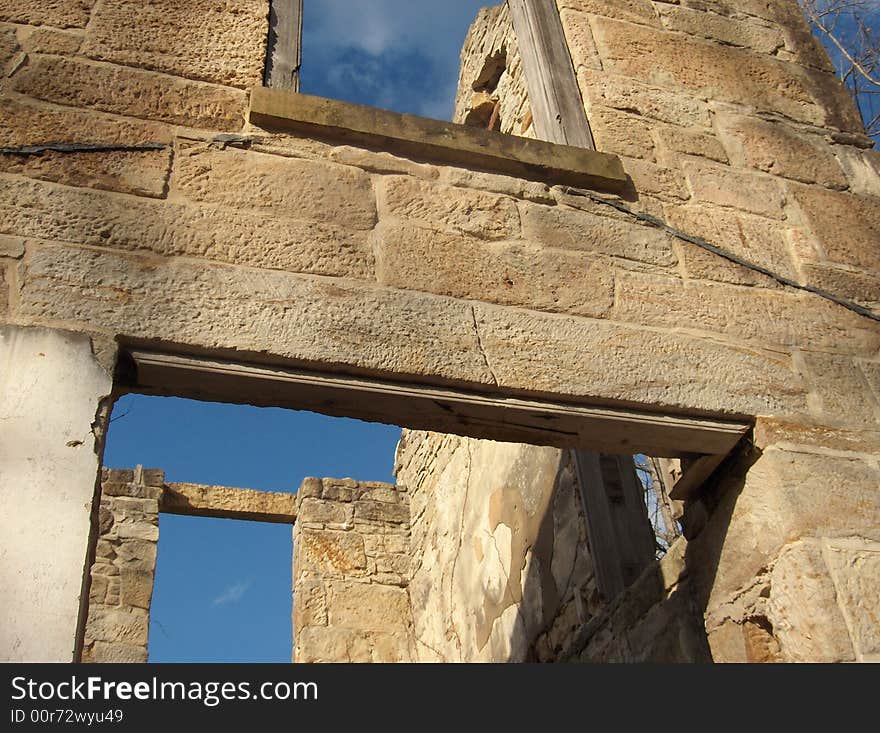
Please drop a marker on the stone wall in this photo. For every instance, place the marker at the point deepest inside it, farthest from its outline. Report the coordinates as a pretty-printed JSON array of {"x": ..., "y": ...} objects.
[
  {"x": 351, "y": 565},
  {"x": 124, "y": 566}
]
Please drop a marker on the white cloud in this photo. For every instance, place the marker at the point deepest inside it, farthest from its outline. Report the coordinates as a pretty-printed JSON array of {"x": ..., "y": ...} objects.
[{"x": 232, "y": 594}]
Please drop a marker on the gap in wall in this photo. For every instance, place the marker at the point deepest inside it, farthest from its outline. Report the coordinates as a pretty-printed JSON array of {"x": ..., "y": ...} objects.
[{"x": 222, "y": 590}]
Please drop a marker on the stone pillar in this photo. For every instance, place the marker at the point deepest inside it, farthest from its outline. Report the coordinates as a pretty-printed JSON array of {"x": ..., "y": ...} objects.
[
  {"x": 53, "y": 408},
  {"x": 124, "y": 568},
  {"x": 350, "y": 572}
]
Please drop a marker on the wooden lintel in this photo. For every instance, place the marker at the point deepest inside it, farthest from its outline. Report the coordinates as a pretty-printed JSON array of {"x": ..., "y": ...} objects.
[
  {"x": 226, "y": 502},
  {"x": 444, "y": 409},
  {"x": 695, "y": 475},
  {"x": 435, "y": 141}
]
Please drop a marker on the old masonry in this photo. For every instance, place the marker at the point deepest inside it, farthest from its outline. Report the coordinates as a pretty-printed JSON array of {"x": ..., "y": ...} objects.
[{"x": 653, "y": 230}]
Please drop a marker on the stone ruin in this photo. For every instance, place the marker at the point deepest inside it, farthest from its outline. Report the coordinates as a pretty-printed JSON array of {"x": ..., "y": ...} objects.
[{"x": 533, "y": 312}]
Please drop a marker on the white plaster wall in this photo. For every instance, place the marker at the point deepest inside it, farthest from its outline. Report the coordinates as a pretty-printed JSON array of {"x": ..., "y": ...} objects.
[{"x": 50, "y": 389}]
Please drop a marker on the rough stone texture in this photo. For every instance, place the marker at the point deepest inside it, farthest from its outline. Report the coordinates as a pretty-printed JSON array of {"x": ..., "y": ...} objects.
[
  {"x": 122, "y": 573},
  {"x": 498, "y": 547},
  {"x": 60, "y": 13},
  {"x": 203, "y": 40},
  {"x": 131, "y": 92},
  {"x": 350, "y": 572}
]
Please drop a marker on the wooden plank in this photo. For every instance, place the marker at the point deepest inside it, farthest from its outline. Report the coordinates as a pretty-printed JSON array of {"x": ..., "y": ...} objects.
[
  {"x": 554, "y": 95},
  {"x": 284, "y": 47},
  {"x": 428, "y": 407},
  {"x": 226, "y": 502},
  {"x": 430, "y": 140},
  {"x": 635, "y": 535},
  {"x": 695, "y": 475}
]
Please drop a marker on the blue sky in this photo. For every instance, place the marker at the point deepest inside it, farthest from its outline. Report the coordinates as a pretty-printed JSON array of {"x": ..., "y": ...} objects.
[{"x": 222, "y": 590}]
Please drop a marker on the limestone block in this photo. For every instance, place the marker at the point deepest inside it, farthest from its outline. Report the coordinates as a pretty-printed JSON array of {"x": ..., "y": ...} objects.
[
  {"x": 60, "y": 13},
  {"x": 497, "y": 183},
  {"x": 803, "y": 610},
  {"x": 776, "y": 148},
  {"x": 770, "y": 316},
  {"x": 382, "y": 493},
  {"x": 317, "y": 510},
  {"x": 733, "y": 31},
  {"x": 841, "y": 389},
  {"x": 723, "y": 186},
  {"x": 753, "y": 238},
  {"x": 53, "y": 41},
  {"x": 275, "y": 186},
  {"x": 205, "y": 40},
  {"x": 206, "y": 231},
  {"x": 620, "y": 133},
  {"x": 860, "y": 286},
  {"x": 136, "y": 553},
  {"x": 448, "y": 208},
  {"x": 660, "y": 181},
  {"x": 785, "y": 496},
  {"x": 862, "y": 169},
  {"x": 850, "y": 236},
  {"x": 131, "y": 92},
  {"x": 298, "y": 318},
  {"x": 8, "y": 44},
  {"x": 380, "y": 511},
  {"x": 855, "y": 568},
  {"x": 320, "y": 644},
  {"x": 579, "y": 37},
  {"x": 579, "y": 357},
  {"x": 309, "y": 604},
  {"x": 127, "y": 626},
  {"x": 381, "y": 162},
  {"x": 367, "y": 606},
  {"x": 11, "y": 246},
  {"x": 567, "y": 228},
  {"x": 635, "y": 11},
  {"x": 635, "y": 96},
  {"x": 689, "y": 142},
  {"x": 116, "y": 653},
  {"x": 769, "y": 432},
  {"x": 136, "y": 587},
  {"x": 541, "y": 278},
  {"x": 328, "y": 553},
  {"x": 724, "y": 73}
]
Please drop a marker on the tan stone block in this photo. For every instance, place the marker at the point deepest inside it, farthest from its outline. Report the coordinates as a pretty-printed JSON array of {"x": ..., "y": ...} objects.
[
  {"x": 662, "y": 182},
  {"x": 319, "y": 510},
  {"x": 124, "y": 625},
  {"x": 138, "y": 530},
  {"x": 8, "y": 45},
  {"x": 541, "y": 278},
  {"x": 309, "y": 320},
  {"x": 733, "y": 31},
  {"x": 774, "y": 147},
  {"x": 855, "y": 567},
  {"x": 209, "y": 232},
  {"x": 136, "y": 587},
  {"x": 142, "y": 173},
  {"x": 52, "y": 40},
  {"x": 763, "y": 316},
  {"x": 367, "y": 606},
  {"x": 739, "y": 190},
  {"x": 803, "y": 610},
  {"x": 786, "y": 496},
  {"x": 635, "y": 11},
  {"x": 496, "y": 183},
  {"x": 840, "y": 389},
  {"x": 689, "y": 142},
  {"x": 448, "y": 208},
  {"x": 862, "y": 168},
  {"x": 60, "y": 13},
  {"x": 327, "y": 553},
  {"x": 770, "y": 432},
  {"x": 569, "y": 228},
  {"x": 576, "y": 26},
  {"x": 863, "y": 287},
  {"x": 620, "y": 133},
  {"x": 630, "y": 95},
  {"x": 383, "y": 493},
  {"x": 275, "y": 186},
  {"x": 755, "y": 239},
  {"x": 381, "y": 162},
  {"x": 583, "y": 358},
  {"x": 723, "y": 73},
  {"x": 131, "y": 92},
  {"x": 116, "y": 653},
  {"x": 201, "y": 39},
  {"x": 380, "y": 511},
  {"x": 98, "y": 588},
  {"x": 309, "y": 605},
  {"x": 847, "y": 225},
  {"x": 310, "y": 487},
  {"x": 136, "y": 553},
  {"x": 11, "y": 247}
]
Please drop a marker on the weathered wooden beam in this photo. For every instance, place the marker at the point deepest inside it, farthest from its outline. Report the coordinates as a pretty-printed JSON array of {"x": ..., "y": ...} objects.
[
  {"x": 226, "y": 502},
  {"x": 426, "y": 407},
  {"x": 554, "y": 95},
  {"x": 695, "y": 474},
  {"x": 435, "y": 141},
  {"x": 284, "y": 47}
]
